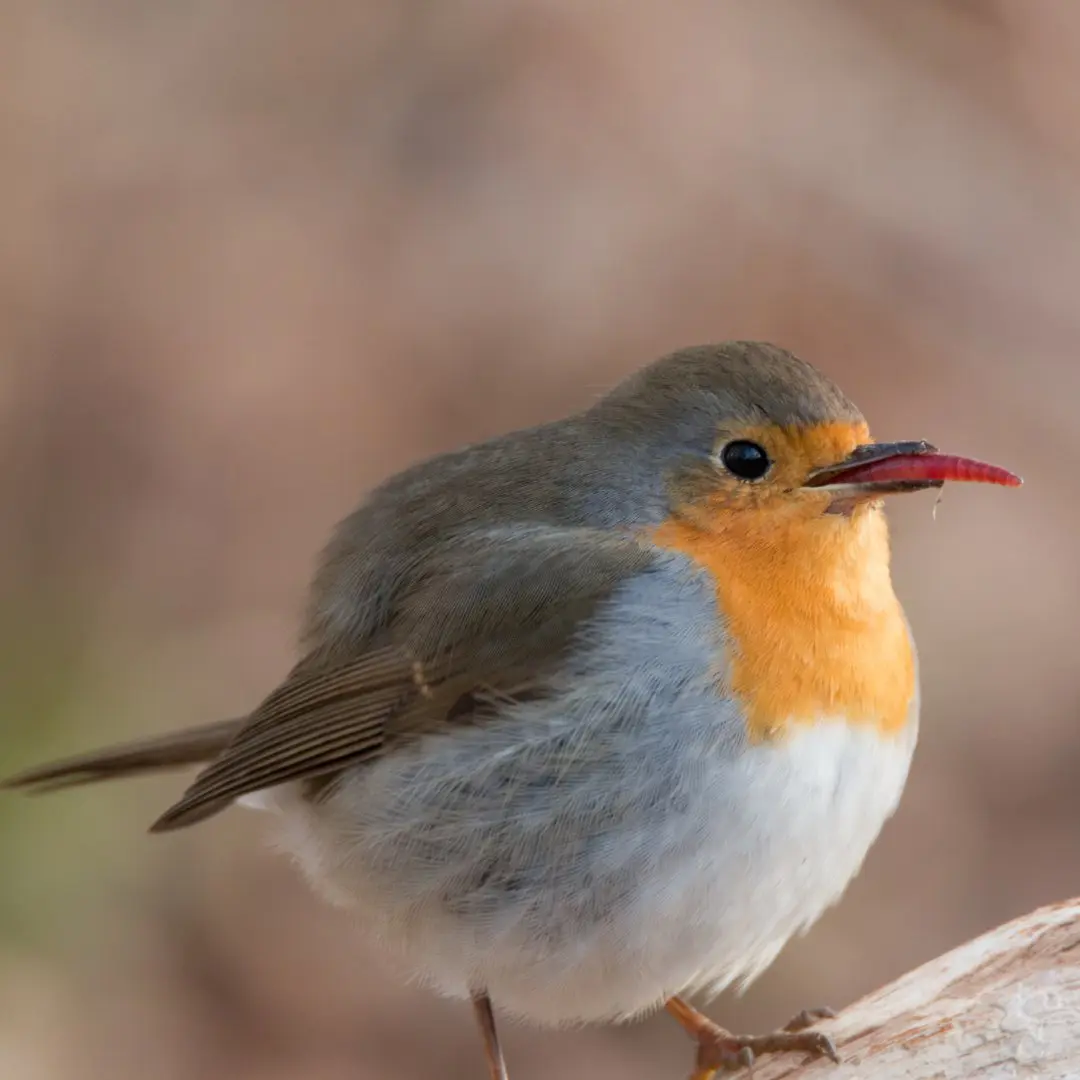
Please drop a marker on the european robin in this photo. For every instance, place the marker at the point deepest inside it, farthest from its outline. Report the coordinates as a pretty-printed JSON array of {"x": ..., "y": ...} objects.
[{"x": 595, "y": 716}]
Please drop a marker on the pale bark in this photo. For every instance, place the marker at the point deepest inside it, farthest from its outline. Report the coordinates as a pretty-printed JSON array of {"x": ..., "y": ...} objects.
[{"x": 1005, "y": 1006}]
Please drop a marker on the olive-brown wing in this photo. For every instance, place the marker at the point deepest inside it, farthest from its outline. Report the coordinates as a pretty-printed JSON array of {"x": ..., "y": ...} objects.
[{"x": 486, "y": 617}]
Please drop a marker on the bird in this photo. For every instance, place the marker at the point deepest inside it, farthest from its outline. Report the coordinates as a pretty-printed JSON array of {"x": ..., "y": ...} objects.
[{"x": 591, "y": 718}]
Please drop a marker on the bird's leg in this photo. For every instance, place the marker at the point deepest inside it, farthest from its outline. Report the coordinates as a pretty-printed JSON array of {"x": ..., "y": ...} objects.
[
  {"x": 492, "y": 1051},
  {"x": 719, "y": 1049}
]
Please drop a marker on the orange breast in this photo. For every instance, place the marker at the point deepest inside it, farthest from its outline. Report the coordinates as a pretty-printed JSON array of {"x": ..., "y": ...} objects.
[{"x": 815, "y": 628}]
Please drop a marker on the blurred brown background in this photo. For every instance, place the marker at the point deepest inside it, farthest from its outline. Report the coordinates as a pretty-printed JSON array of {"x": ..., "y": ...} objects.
[{"x": 255, "y": 256}]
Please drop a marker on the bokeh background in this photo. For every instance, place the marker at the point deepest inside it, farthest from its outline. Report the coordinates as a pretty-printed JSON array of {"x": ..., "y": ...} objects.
[{"x": 255, "y": 256}]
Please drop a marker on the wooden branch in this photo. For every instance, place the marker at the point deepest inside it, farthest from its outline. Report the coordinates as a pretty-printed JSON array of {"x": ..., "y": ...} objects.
[{"x": 1006, "y": 1006}]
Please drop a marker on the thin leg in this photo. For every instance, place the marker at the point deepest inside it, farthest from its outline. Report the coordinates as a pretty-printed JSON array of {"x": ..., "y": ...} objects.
[
  {"x": 492, "y": 1050},
  {"x": 716, "y": 1046},
  {"x": 719, "y": 1049}
]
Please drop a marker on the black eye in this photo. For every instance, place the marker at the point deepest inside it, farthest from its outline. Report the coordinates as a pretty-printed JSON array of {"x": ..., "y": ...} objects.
[{"x": 745, "y": 459}]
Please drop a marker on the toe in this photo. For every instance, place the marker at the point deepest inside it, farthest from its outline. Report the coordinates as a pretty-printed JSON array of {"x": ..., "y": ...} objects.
[
  {"x": 820, "y": 1045},
  {"x": 808, "y": 1018},
  {"x": 722, "y": 1054}
]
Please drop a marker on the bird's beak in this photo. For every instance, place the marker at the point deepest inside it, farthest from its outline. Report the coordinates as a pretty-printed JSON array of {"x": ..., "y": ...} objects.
[{"x": 888, "y": 468}]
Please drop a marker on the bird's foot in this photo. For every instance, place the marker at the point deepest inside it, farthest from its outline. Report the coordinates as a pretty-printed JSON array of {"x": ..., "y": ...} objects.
[{"x": 721, "y": 1051}]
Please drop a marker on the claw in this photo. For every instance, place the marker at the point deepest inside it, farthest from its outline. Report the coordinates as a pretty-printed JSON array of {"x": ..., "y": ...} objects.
[
  {"x": 825, "y": 1047},
  {"x": 729, "y": 1052},
  {"x": 808, "y": 1018},
  {"x": 721, "y": 1054},
  {"x": 721, "y": 1051}
]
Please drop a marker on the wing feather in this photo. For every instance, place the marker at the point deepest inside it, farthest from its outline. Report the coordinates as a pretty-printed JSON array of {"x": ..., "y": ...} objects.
[{"x": 492, "y": 613}]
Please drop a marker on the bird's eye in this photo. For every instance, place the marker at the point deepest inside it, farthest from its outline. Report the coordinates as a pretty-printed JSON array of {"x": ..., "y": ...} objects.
[{"x": 746, "y": 460}]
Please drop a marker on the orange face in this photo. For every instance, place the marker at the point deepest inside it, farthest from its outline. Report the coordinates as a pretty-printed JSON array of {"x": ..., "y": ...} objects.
[
  {"x": 814, "y": 629},
  {"x": 793, "y": 455}
]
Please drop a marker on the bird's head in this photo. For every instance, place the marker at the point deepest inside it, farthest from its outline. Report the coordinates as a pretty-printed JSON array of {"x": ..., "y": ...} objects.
[{"x": 748, "y": 431}]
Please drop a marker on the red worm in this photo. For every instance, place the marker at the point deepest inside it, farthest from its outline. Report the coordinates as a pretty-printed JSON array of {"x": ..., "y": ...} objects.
[{"x": 927, "y": 467}]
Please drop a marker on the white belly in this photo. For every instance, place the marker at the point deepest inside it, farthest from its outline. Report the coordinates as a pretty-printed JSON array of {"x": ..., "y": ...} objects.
[{"x": 594, "y": 881}]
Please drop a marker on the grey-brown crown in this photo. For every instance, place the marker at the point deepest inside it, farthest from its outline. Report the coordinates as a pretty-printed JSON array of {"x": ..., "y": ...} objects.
[{"x": 744, "y": 381}]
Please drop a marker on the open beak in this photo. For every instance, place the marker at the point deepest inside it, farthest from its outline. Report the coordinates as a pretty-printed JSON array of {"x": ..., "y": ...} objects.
[{"x": 888, "y": 468}]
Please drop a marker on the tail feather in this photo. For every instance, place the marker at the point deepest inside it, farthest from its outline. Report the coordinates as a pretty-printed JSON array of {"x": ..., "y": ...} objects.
[{"x": 194, "y": 746}]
